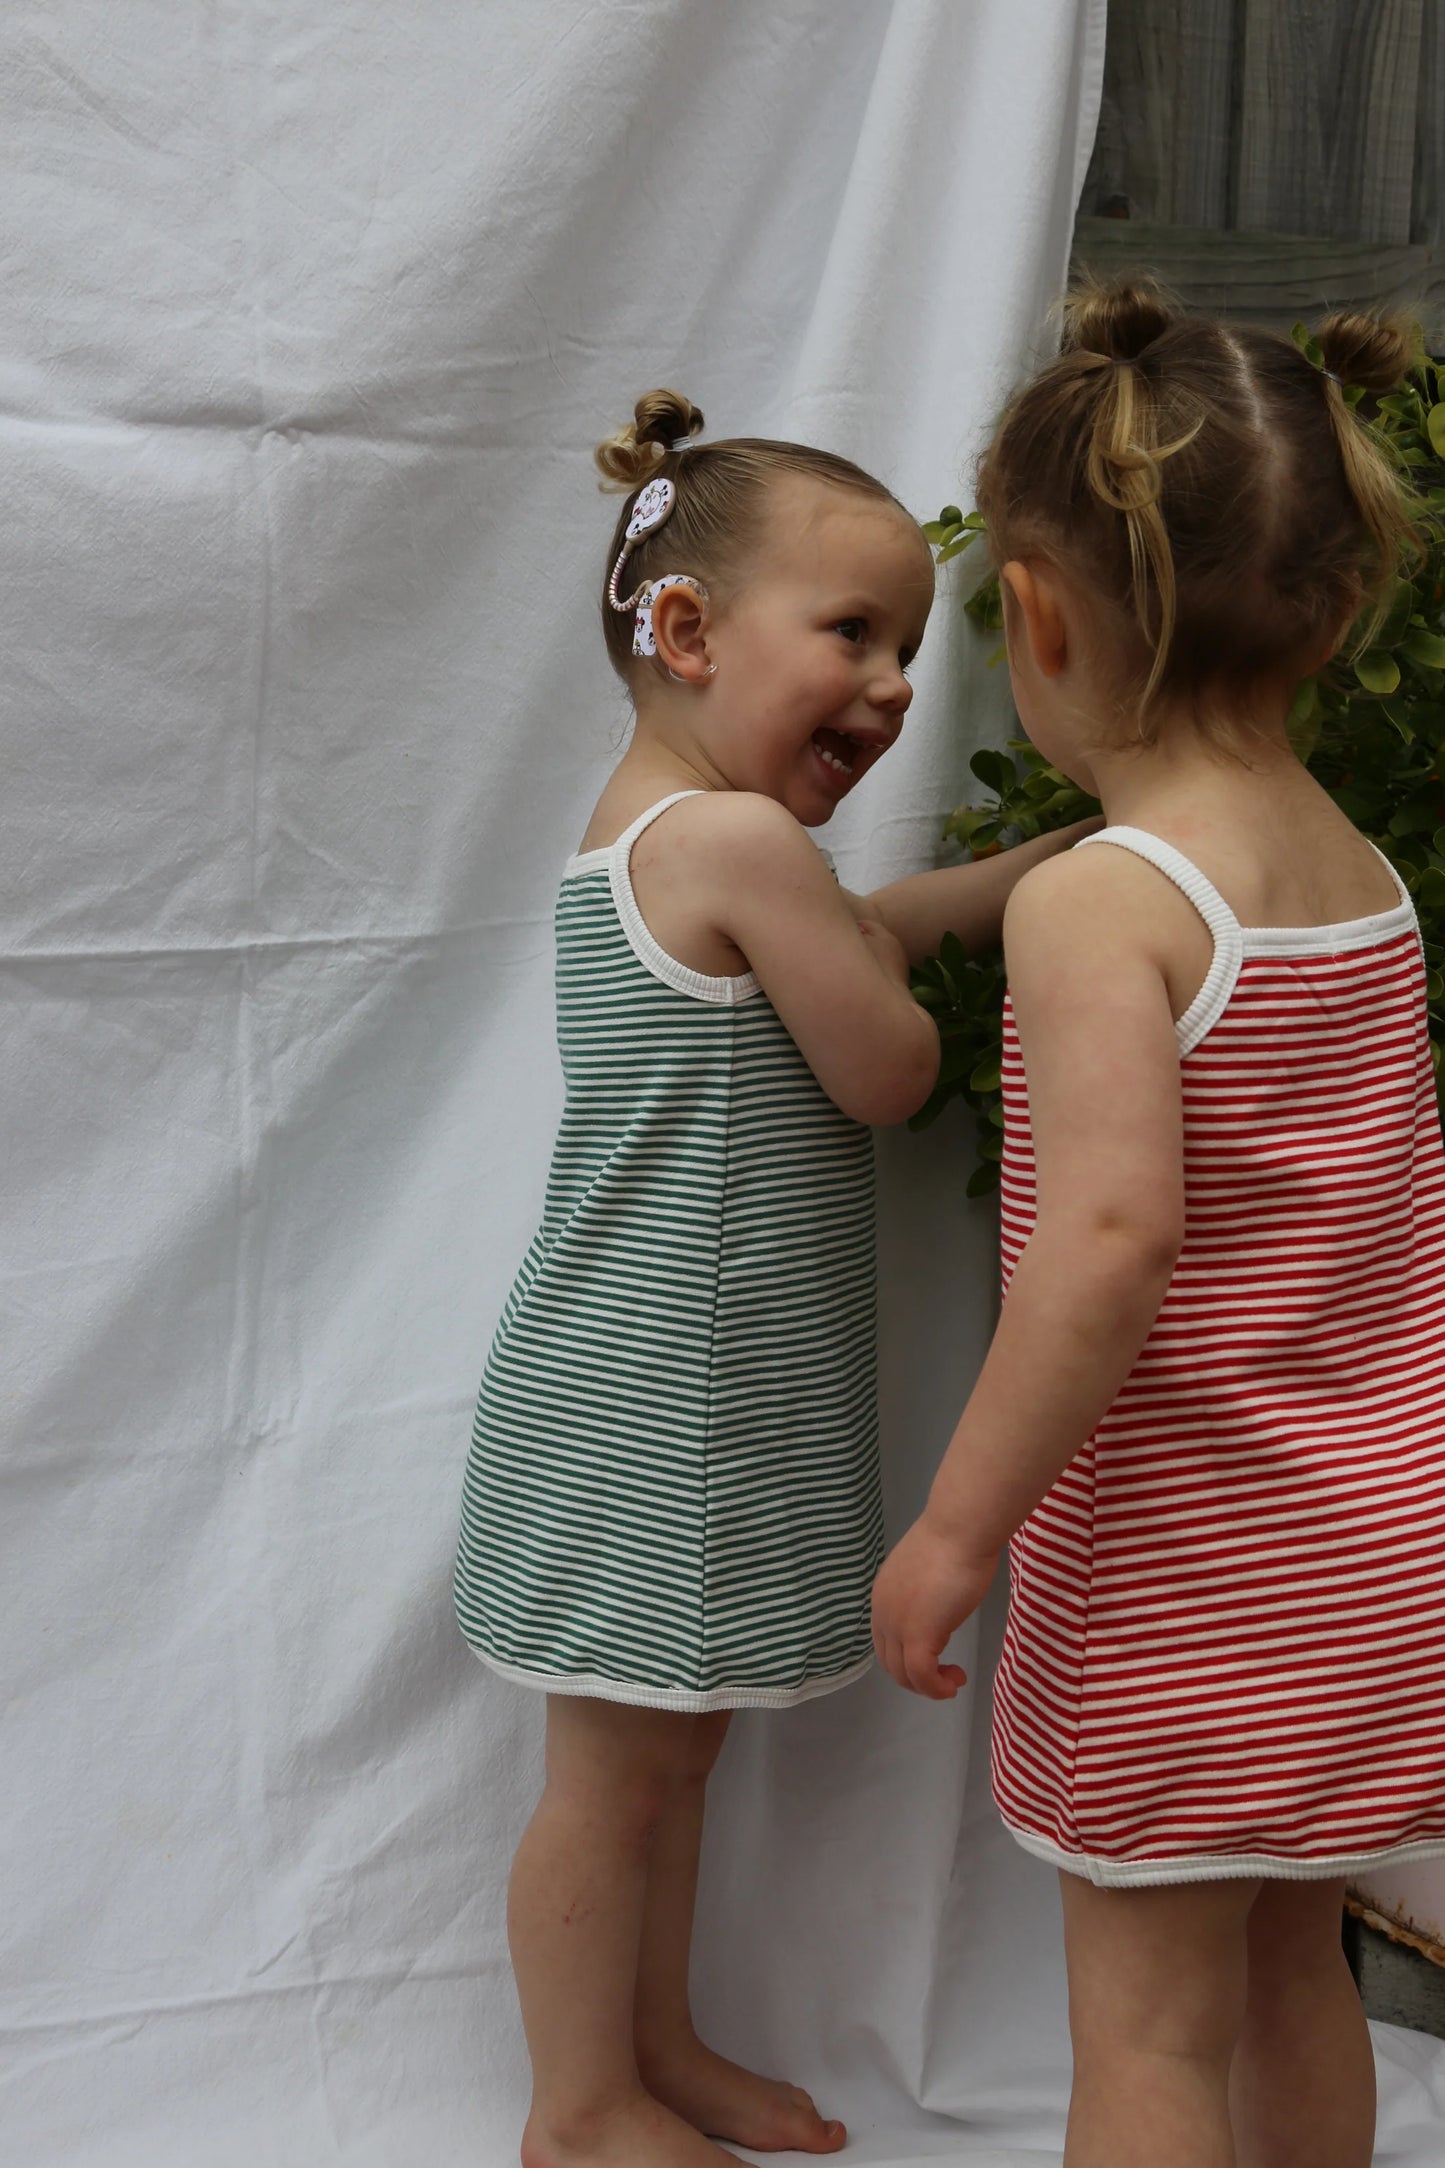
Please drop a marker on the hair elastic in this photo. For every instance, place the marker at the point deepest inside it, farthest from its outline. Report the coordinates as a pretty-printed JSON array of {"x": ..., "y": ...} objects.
[{"x": 1332, "y": 377}]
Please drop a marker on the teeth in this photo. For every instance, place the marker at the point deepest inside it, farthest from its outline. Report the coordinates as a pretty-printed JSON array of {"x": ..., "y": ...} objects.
[{"x": 834, "y": 762}]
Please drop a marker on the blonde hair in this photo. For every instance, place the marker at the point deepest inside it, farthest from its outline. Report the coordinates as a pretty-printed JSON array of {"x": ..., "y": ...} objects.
[
  {"x": 721, "y": 496},
  {"x": 1207, "y": 481}
]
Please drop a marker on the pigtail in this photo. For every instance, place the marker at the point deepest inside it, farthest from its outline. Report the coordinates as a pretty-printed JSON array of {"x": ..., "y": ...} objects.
[
  {"x": 1124, "y": 459},
  {"x": 1374, "y": 353}
]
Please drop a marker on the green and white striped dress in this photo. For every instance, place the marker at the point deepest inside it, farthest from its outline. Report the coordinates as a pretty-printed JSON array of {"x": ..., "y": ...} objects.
[{"x": 672, "y": 1497}]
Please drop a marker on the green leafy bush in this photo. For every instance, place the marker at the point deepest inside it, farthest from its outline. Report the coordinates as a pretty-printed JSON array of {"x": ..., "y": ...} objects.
[{"x": 1371, "y": 729}]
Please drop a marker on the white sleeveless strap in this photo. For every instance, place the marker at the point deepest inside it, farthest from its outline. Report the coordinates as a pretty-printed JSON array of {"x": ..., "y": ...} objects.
[
  {"x": 727, "y": 992},
  {"x": 1209, "y": 1003}
]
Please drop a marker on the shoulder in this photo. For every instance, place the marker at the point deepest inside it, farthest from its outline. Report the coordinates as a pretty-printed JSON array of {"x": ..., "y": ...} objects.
[
  {"x": 1094, "y": 922},
  {"x": 739, "y": 836},
  {"x": 1069, "y": 902}
]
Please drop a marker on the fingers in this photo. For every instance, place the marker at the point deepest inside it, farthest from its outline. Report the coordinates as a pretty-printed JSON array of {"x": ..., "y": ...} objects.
[
  {"x": 914, "y": 1665},
  {"x": 925, "y": 1675}
]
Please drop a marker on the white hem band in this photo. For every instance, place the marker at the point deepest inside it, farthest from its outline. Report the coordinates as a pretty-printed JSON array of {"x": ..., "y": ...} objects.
[
  {"x": 687, "y": 1701},
  {"x": 1220, "y": 1867}
]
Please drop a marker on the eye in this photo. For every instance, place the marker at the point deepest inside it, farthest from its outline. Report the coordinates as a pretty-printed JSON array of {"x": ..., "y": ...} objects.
[
  {"x": 906, "y": 656},
  {"x": 853, "y": 628}
]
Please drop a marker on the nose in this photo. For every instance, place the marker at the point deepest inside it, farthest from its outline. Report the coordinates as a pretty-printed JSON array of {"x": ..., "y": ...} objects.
[{"x": 892, "y": 692}]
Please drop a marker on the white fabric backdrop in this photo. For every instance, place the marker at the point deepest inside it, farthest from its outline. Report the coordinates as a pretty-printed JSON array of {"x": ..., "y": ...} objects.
[{"x": 313, "y": 315}]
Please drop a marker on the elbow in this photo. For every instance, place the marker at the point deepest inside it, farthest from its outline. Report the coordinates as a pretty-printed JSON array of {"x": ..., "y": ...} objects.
[
  {"x": 1134, "y": 1246},
  {"x": 1141, "y": 1247},
  {"x": 889, "y": 1095}
]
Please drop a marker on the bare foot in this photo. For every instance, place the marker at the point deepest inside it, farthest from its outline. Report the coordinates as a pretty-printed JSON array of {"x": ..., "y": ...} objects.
[
  {"x": 729, "y": 2102},
  {"x": 643, "y": 2134}
]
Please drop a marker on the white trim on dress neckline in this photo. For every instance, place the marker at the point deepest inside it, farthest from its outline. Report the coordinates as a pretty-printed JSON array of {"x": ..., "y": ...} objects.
[
  {"x": 1235, "y": 944},
  {"x": 721, "y": 992}
]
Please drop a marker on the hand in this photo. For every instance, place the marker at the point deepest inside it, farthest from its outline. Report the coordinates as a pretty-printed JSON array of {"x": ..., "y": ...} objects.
[
  {"x": 926, "y": 1590},
  {"x": 886, "y": 950}
]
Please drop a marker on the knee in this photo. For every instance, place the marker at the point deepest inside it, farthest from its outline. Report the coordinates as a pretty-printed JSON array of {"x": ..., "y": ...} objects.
[
  {"x": 638, "y": 1806},
  {"x": 1182, "y": 2021},
  {"x": 621, "y": 1810}
]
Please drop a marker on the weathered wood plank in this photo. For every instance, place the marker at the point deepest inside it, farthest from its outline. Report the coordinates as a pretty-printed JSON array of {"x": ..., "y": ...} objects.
[
  {"x": 1269, "y": 278},
  {"x": 1328, "y": 117},
  {"x": 1427, "y": 221},
  {"x": 1165, "y": 134}
]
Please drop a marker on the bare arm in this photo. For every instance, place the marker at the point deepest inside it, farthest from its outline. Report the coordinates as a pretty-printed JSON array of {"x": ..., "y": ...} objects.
[
  {"x": 1094, "y": 1019},
  {"x": 841, "y": 988},
  {"x": 966, "y": 900}
]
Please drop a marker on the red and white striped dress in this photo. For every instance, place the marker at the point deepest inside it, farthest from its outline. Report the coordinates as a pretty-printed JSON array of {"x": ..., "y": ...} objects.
[{"x": 1226, "y": 1640}]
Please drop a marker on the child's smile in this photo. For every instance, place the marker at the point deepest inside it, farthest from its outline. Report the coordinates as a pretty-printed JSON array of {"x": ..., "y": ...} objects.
[{"x": 812, "y": 653}]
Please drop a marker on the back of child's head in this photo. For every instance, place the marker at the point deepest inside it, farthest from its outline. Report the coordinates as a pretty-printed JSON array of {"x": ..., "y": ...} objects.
[
  {"x": 722, "y": 491},
  {"x": 1212, "y": 488}
]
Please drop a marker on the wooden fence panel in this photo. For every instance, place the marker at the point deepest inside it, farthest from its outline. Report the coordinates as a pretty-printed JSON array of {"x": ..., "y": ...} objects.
[
  {"x": 1328, "y": 114},
  {"x": 1428, "y": 217},
  {"x": 1165, "y": 130},
  {"x": 1269, "y": 278}
]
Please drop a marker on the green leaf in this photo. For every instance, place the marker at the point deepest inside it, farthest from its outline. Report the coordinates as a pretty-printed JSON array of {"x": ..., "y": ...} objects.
[
  {"x": 952, "y": 516},
  {"x": 994, "y": 768},
  {"x": 1435, "y": 427},
  {"x": 1413, "y": 819},
  {"x": 1303, "y": 720},
  {"x": 985, "y": 605},
  {"x": 1430, "y": 895},
  {"x": 1377, "y": 671},
  {"x": 1426, "y": 648},
  {"x": 988, "y": 1076},
  {"x": 983, "y": 1181},
  {"x": 1397, "y": 614},
  {"x": 932, "y": 1107}
]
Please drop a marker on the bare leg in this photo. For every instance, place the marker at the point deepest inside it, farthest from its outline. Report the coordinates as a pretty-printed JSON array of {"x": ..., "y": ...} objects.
[
  {"x": 1156, "y": 2002},
  {"x": 574, "y": 1918},
  {"x": 709, "y": 2091},
  {"x": 1302, "y": 2091}
]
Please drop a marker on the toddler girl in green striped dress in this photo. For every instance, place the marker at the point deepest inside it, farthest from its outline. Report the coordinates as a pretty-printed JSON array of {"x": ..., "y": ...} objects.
[{"x": 672, "y": 1503}]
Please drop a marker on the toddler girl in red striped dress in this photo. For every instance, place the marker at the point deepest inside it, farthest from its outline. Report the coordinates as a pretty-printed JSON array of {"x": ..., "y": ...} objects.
[{"x": 1211, "y": 1427}]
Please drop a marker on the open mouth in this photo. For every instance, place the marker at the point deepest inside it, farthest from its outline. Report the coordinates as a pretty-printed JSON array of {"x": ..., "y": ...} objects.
[{"x": 839, "y": 752}]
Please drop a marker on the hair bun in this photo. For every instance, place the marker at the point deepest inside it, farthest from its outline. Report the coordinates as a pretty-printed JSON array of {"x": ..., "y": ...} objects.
[
  {"x": 1371, "y": 351},
  {"x": 1118, "y": 319},
  {"x": 630, "y": 455}
]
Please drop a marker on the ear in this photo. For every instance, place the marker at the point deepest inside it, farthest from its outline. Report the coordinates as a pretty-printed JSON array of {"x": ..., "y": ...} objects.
[
  {"x": 1032, "y": 599},
  {"x": 680, "y": 627}
]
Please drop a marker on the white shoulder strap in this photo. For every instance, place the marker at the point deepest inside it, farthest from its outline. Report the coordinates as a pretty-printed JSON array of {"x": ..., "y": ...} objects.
[{"x": 1209, "y": 1003}]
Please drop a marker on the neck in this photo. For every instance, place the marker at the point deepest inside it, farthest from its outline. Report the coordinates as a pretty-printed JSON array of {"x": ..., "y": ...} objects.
[
  {"x": 1186, "y": 776},
  {"x": 663, "y": 743}
]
